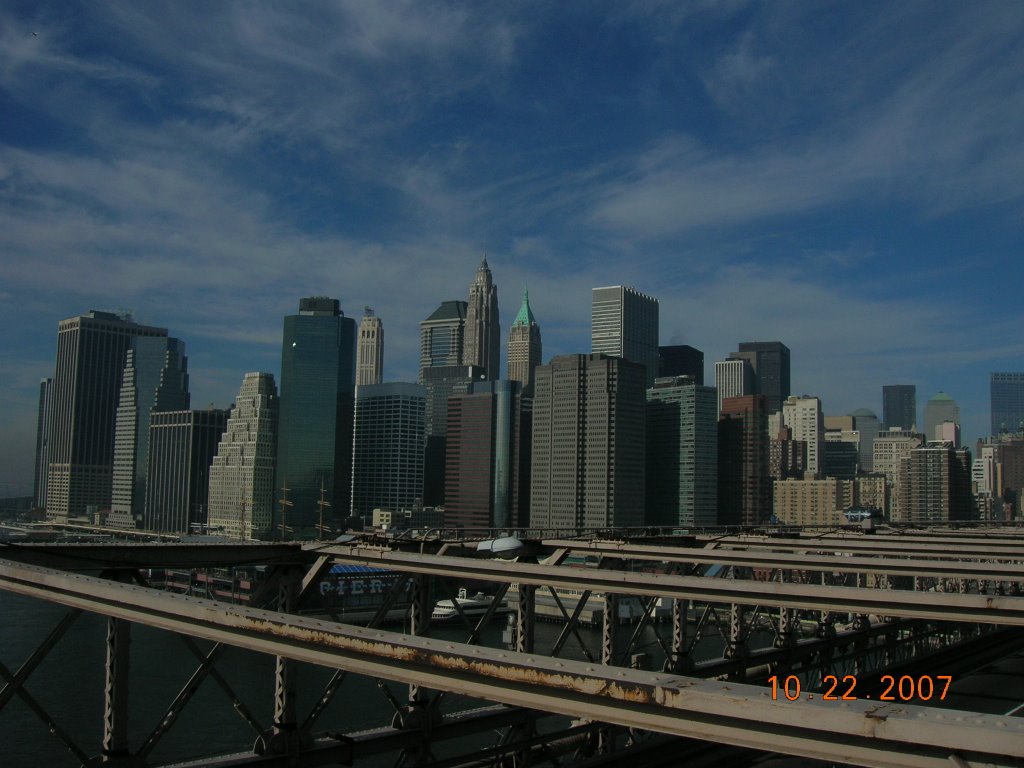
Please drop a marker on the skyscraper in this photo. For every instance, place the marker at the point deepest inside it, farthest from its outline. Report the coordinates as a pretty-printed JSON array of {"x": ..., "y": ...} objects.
[
  {"x": 733, "y": 378},
  {"x": 482, "y": 460},
  {"x": 524, "y": 346},
  {"x": 387, "y": 461},
  {"x": 442, "y": 336},
  {"x": 483, "y": 334},
  {"x": 744, "y": 490},
  {"x": 891, "y": 446},
  {"x": 182, "y": 445},
  {"x": 769, "y": 361},
  {"x": 682, "y": 453},
  {"x": 443, "y": 372},
  {"x": 314, "y": 443},
  {"x": 241, "y": 497},
  {"x": 155, "y": 379},
  {"x": 370, "y": 353},
  {"x": 91, "y": 353},
  {"x": 624, "y": 323},
  {"x": 804, "y": 416},
  {"x": 939, "y": 408},
  {"x": 588, "y": 443},
  {"x": 681, "y": 360},
  {"x": 899, "y": 406},
  {"x": 866, "y": 422},
  {"x": 935, "y": 484},
  {"x": 1007, "y": 401},
  {"x": 440, "y": 383},
  {"x": 43, "y": 427}
]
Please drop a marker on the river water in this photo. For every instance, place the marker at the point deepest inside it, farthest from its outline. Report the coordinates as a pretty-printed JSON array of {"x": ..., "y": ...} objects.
[{"x": 69, "y": 686}]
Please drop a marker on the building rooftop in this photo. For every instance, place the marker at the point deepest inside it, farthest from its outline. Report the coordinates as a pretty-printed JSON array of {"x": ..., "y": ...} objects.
[{"x": 449, "y": 310}]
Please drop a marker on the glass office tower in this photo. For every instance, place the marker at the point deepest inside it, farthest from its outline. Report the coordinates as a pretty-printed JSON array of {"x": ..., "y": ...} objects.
[{"x": 314, "y": 443}]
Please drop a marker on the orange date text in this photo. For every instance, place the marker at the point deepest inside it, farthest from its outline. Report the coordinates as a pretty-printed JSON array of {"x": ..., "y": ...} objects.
[{"x": 834, "y": 688}]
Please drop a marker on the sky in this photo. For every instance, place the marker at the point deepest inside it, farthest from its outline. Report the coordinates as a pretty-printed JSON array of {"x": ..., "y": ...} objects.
[{"x": 847, "y": 178}]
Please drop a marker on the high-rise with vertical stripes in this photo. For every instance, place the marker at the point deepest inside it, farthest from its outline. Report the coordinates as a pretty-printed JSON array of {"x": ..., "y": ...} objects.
[
  {"x": 624, "y": 323},
  {"x": 91, "y": 354}
]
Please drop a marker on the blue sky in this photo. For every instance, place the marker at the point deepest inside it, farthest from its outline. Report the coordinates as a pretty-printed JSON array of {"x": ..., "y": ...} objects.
[{"x": 847, "y": 178}]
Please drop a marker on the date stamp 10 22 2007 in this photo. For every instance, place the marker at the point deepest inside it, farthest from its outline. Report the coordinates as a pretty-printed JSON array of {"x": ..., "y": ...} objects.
[{"x": 902, "y": 688}]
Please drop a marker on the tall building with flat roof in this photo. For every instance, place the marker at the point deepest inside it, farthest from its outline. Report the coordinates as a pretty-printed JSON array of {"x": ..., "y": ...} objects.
[
  {"x": 182, "y": 445},
  {"x": 91, "y": 353},
  {"x": 524, "y": 346},
  {"x": 588, "y": 443},
  {"x": 682, "y": 453},
  {"x": 733, "y": 378},
  {"x": 370, "y": 352},
  {"x": 155, "y": 379},
  {"x": 1006, "y": 391},
  {"x": 770, "y": 363},
  {"x": 804, "y": 416},
  {"x": 387, "y": 462},
  {"x": 314, "y": 436},
  {"x": 899, "y": 406},
  {"x": 483, "y": 333},
  {"x": 484, "y": 450},
  {"x": 624, "y": 323},
  {"x": 681, "y": 360},
  {"x": 939, "y": 408},
  {"x": 241, "y": 496},
  {"x": 744, "y": 489},
  {"x": 890, "y": 447},
  {"x": 866, "y": 422},
  {"x": 935, "y": 484}
]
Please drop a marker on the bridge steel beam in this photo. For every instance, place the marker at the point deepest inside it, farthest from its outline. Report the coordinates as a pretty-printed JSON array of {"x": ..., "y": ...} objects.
[
  {"x": 864, "y": 732},
  {"x": 101, "y": 557},
  {"x": 966, "y": 548},
  {"x": 986, "y": 609},
  {"x": 891, "y": 566}
]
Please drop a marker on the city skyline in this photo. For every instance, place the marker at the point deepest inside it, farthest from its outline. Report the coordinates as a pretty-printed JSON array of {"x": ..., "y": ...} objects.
[{"x": 765, "y": 172}]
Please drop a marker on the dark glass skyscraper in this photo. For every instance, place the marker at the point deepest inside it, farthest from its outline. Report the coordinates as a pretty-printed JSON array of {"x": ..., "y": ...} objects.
[
  {"x": 682, "y": 453},
  {"x": 91, "y": 354},
  {"x": 899, "y": 406},
  {"x": 770, "y": 363},
  {"x": 182, "y": 445},
  {"x": 681, "y": 360},
  {"x": 1007, "y": 392},
  {"x": 387, "y": 467},
  {"x": 314, "y": 441}
]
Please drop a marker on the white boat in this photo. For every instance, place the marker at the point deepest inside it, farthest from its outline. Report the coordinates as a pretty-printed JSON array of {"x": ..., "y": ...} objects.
[{"x": 471, "y": 607}]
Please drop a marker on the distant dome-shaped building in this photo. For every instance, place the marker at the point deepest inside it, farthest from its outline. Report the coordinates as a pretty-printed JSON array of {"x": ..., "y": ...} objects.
[
  {"x": 866, "y": 422},
  {"x": 939, "y": 408}
]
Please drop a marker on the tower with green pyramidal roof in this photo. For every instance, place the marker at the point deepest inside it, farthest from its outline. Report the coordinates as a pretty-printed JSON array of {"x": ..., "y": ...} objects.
[{"x": 524, "y": 350}]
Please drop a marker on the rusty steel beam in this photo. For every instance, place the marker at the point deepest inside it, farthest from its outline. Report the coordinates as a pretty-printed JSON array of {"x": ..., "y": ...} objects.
[
  {"x": 988, "y": 609},
  {"x": 863, "y": 732},
  {"x": 858, "y": 563}
]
